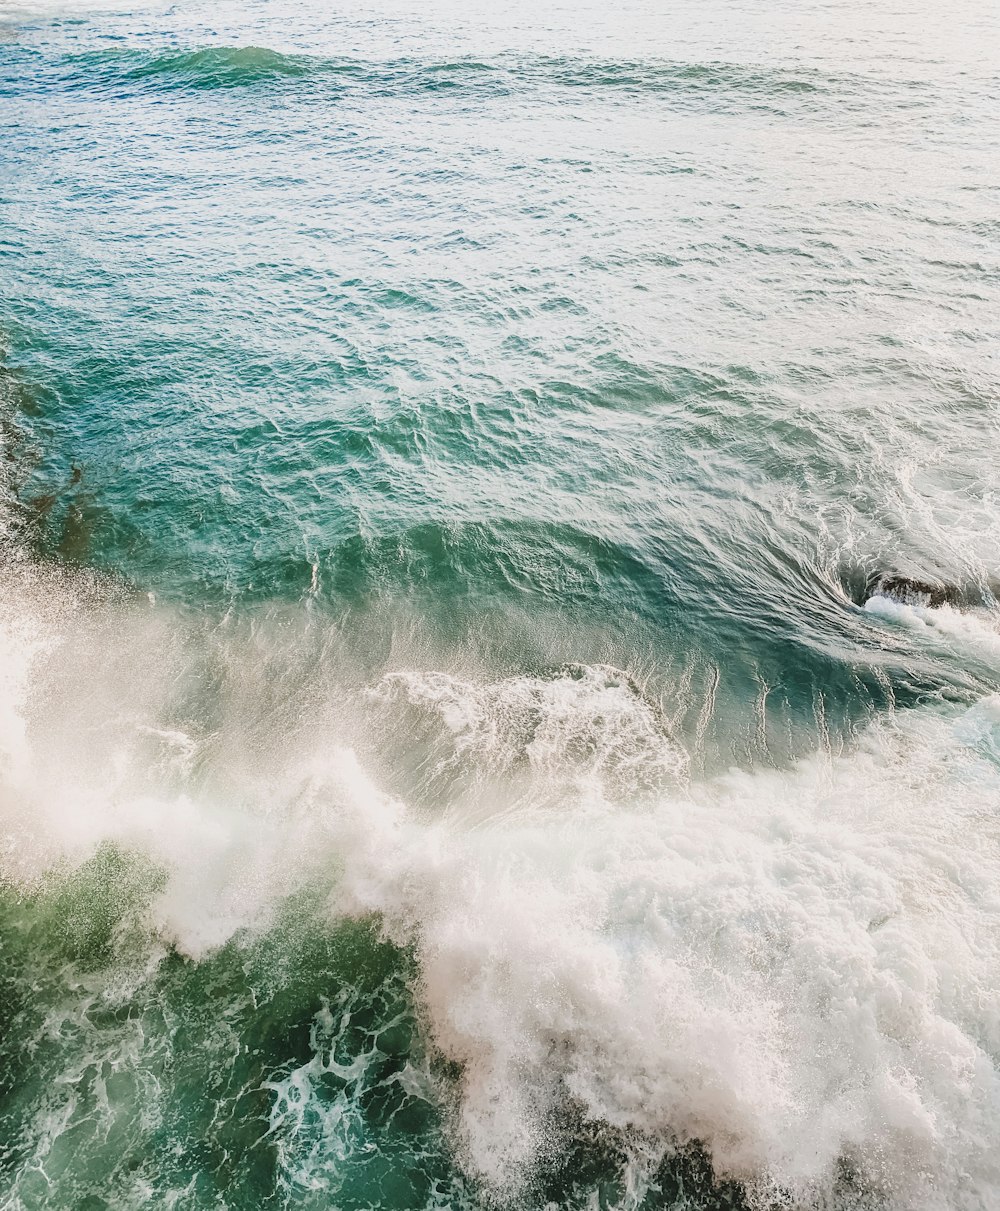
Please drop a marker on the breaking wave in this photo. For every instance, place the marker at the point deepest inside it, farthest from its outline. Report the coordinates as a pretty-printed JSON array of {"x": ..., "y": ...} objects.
[{"x": 790, "y": 971}]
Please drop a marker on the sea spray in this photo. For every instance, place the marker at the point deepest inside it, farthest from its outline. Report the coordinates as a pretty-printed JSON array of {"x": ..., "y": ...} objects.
[{"x": 781, "y": 967}]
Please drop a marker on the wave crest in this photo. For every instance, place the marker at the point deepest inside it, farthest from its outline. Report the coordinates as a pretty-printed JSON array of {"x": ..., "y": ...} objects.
[
  {"x": 229, "y": 67},
  {"x": 222, "y": 67}
]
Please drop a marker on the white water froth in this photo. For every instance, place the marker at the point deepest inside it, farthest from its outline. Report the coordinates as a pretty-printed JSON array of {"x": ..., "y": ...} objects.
[
  {"x": 973, "y": 631},
  {"x": 796, "y": 968},
  {"x": 582, "y": 734}
]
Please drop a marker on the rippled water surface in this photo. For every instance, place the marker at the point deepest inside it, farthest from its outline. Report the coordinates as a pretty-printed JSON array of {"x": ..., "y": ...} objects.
[{"x": 450, "y": 753}]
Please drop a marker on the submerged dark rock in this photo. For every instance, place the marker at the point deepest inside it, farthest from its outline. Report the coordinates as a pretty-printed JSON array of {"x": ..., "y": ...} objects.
[{"x": 912, "y": 592}]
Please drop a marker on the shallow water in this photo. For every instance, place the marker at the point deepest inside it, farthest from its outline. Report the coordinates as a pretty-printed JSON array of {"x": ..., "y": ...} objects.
[{"x": 447, "y": 758}]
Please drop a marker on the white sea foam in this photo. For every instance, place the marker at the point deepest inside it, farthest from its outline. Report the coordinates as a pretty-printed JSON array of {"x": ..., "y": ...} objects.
[
  {"x": 584, "y": 733},
  {"x": 792, "y": 968},
  {"x": 976, "y": 631},
  {"x": 797, "y": 969}
]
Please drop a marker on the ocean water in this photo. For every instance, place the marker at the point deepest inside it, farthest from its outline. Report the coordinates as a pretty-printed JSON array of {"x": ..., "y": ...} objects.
[{"x": 450, "y": 755}]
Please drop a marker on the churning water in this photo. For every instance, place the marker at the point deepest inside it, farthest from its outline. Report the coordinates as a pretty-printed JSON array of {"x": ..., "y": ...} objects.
[{"x": 449, "y": 754}]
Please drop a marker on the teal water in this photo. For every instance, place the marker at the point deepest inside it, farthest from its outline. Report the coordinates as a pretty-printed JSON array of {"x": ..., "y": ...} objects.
[{"x": 450, "y": 753}]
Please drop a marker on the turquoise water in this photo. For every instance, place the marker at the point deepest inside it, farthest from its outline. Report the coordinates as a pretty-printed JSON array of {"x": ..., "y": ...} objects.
[{"x": 450, "y": 752}]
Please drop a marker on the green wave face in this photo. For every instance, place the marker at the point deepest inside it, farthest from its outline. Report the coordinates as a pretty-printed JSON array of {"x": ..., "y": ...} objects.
[
  {"x": 499, "y": 655},
  {"x": 221, "y": 67}
]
